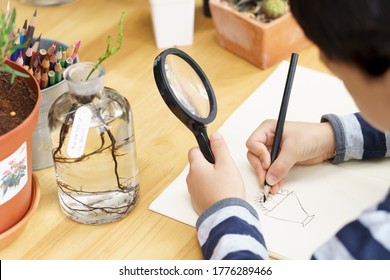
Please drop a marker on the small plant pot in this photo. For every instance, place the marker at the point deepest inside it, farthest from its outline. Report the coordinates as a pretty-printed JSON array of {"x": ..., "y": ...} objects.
[
  {"x": 42, "y": 154},
  {"x": 16, "y": 153},
  {"x": 173, "y": 22},
  {"x": 262, "y": 44}
]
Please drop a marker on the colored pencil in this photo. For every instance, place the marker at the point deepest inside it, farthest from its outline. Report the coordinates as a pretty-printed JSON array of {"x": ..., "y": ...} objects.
[{"x": 30, "y": 30}]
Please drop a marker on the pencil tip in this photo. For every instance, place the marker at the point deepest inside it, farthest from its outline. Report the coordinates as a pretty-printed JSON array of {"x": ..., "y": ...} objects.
[{"x": 264, "y": 198}]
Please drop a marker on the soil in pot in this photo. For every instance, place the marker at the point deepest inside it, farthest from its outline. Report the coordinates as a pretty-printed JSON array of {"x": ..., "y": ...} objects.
[{"x": 15, "y": 104}]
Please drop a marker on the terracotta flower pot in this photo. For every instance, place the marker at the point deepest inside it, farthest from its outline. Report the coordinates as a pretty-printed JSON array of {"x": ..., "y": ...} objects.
[
  {"x": 16, "y": 160},
  {"x": 263, "y": 44},
  {"x": 10, "y": 235}
]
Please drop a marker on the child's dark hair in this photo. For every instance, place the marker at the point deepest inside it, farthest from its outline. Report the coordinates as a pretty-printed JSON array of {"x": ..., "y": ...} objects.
[{"x": 351, "y": 31}]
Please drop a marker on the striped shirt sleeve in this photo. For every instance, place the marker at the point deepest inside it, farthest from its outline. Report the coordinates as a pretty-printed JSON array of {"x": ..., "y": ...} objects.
[
  {"x": 230, "y": 230},
  {"x": 366, "y": 238},
  {"x": 356, "y": 139}
]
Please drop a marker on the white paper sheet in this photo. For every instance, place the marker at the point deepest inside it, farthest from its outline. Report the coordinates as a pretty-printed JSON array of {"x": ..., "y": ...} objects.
[{"x": 316, "y": 200}]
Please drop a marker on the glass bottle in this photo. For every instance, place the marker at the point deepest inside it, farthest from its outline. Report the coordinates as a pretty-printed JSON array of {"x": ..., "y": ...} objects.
[{"x": 91, "y": 128}]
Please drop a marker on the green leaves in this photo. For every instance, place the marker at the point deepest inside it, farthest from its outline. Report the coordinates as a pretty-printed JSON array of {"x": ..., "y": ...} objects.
[
  {"x": 7, "y": 43},
  {"x": 7, "y": 27},
  {"x": 110, "y": 50},
  {"x": 271, "y": 8},
  {"x": 13, "y": 72},
  {"x": 13, "y": 178},
  {"x": 275, "y": 8}
]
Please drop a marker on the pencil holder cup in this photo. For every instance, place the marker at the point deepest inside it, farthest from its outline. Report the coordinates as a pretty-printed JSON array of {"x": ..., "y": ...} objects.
[
  {"x": 41, "y": 141},
  {"x": 173, "y": 22}
]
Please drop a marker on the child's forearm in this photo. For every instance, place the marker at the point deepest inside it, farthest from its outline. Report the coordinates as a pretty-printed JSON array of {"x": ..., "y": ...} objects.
[
  {"x": 230, "y": 229},
  {"x": 356, "y": 139}
]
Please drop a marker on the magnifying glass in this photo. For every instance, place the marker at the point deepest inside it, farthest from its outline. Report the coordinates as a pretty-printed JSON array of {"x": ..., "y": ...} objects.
[{"x": 187, "y": 92}]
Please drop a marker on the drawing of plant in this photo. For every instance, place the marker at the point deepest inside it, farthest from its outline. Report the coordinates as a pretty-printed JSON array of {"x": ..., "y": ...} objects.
[{"x": 284, "y": 206}]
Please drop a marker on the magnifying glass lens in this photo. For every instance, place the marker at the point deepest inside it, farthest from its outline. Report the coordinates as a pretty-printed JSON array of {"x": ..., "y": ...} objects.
[
  {"x": 186, "y": 90},
  {"x": 187, "y": 87}
]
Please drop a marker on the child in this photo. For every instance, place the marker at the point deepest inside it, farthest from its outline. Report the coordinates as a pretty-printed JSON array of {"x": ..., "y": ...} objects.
[{"x": 354, "y": 39}]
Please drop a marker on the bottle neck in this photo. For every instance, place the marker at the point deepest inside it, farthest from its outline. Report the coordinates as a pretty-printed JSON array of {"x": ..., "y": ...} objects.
[
  {"x": 86, "y": 99},
  {"x": 83, "y": 86}
]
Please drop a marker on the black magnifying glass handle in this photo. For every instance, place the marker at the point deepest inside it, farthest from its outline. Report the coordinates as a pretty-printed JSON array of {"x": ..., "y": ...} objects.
[
  {"x": 204, "y": 144},
  {"x": 188, "y": 93}
]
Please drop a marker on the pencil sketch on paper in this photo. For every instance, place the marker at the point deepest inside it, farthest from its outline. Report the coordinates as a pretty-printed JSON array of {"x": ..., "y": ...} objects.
[{"x": 284, "y": 206}]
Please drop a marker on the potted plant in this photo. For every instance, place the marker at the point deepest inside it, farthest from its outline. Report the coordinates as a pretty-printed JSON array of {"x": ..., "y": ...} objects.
[
  {"x": 263, "y": 32},
  {"x": 19, "y": 106}
]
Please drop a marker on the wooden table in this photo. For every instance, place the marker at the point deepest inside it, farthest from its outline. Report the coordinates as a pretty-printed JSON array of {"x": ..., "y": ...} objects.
[{"x": 162, "y": 141}]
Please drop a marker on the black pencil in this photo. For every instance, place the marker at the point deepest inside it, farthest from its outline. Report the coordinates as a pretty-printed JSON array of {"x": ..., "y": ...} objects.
[
  {"x": 30, "y": 31},
  {"x": 282, "y": 116}
]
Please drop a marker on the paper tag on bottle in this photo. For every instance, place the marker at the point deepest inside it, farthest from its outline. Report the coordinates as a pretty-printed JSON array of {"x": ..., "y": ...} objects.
[{"x": 79, "y": 133}]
